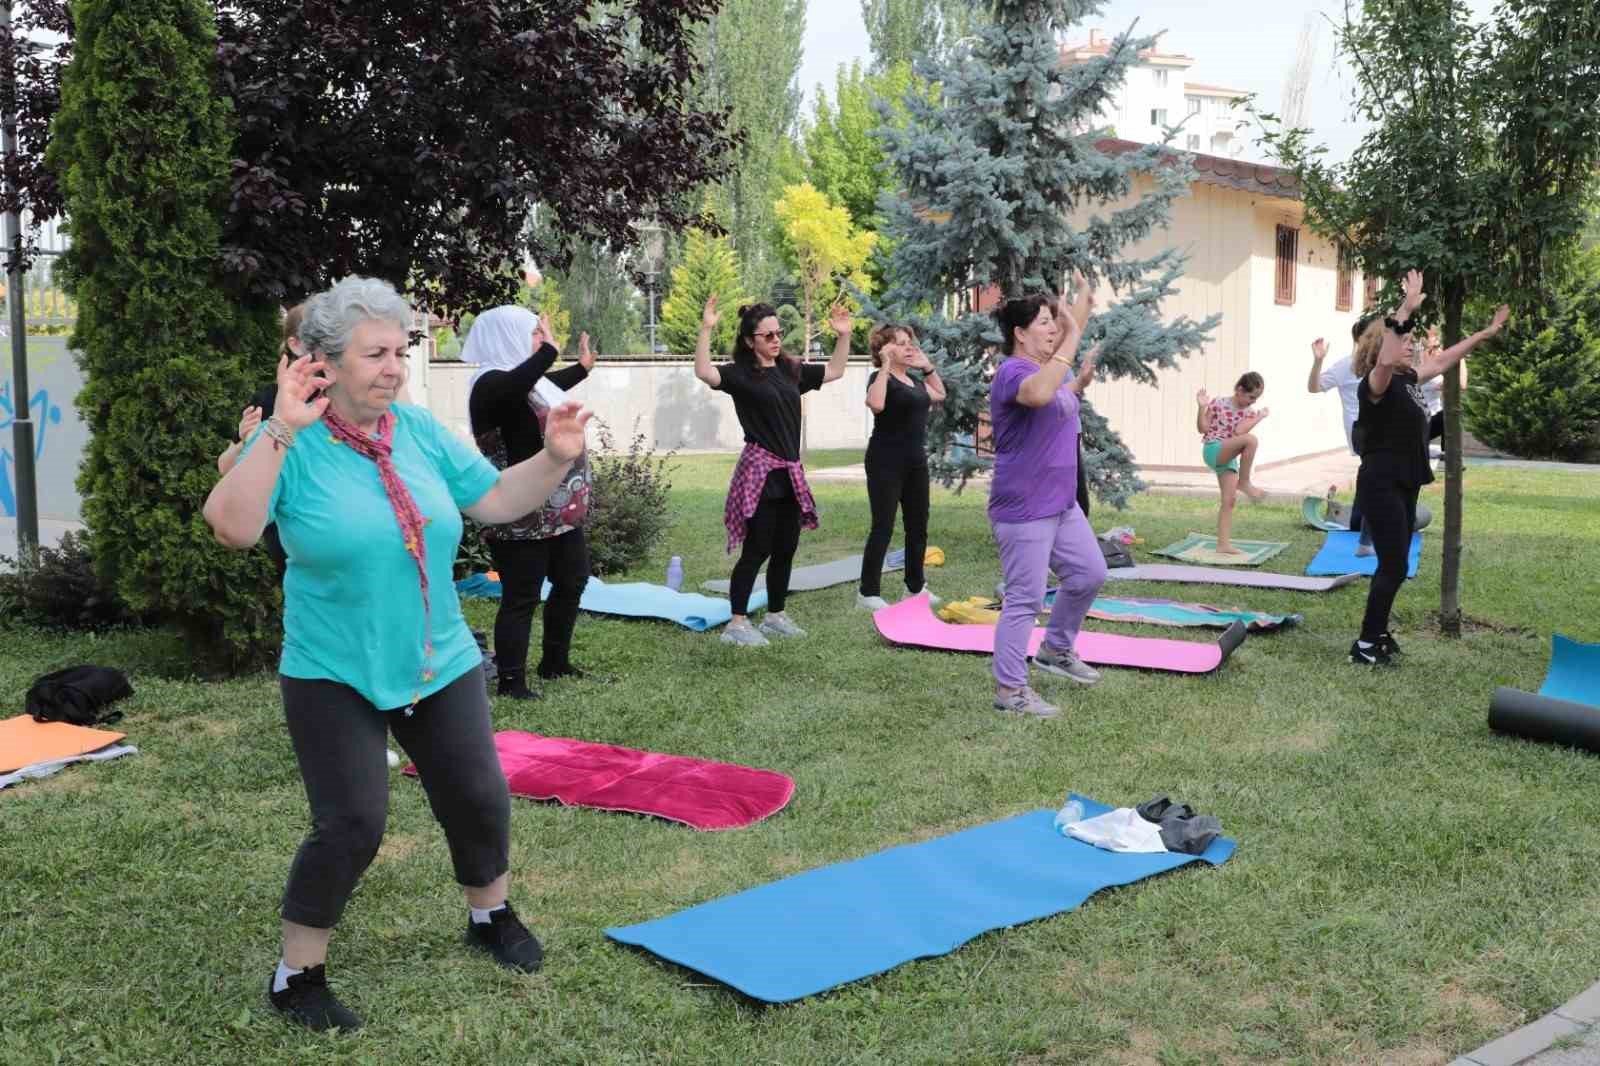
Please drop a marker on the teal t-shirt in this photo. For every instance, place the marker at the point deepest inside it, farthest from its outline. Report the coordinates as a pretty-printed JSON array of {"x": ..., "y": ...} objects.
[{"x": 352, "y": 602}]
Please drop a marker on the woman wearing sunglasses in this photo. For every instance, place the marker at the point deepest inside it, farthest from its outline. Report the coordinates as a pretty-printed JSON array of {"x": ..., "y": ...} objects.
[{"x": 768, "y": 499}]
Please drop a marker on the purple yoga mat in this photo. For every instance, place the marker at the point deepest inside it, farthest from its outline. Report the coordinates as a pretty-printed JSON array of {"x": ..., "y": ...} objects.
[
  {"x": 1211, "y": 575},
  {"x": 912, "y": 622}
]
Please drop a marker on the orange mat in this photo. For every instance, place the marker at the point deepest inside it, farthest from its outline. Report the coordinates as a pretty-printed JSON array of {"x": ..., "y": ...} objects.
[{"x": 24, "y": 742}]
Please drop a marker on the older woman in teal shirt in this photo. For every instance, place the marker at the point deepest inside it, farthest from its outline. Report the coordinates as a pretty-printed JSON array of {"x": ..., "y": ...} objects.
[{"x": 368, "y": 495}]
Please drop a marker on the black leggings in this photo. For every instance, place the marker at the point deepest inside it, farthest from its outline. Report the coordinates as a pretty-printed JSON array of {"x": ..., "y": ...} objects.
[
  {"x": 340, "y": 741},
  {"x": 523, "y": 567},
  {"x": 773, "y": 531},
  {"x": 1390, "y": 510},
  {"x": 891, "y": 484}
]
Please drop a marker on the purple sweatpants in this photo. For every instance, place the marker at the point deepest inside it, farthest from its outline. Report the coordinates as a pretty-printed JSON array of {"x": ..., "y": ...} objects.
[{"x": 1064, "y": 543}]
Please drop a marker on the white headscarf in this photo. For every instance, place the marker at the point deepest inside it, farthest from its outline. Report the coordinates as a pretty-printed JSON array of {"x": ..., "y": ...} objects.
[{"x": 500, "y": 339}]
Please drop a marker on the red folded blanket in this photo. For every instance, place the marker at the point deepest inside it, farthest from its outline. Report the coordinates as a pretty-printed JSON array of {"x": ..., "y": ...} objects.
[{"x": 696, "y": 792}]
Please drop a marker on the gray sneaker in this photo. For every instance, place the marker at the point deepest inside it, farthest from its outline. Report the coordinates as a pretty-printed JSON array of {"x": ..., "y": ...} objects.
[
  {"x": 743, "y": 634},
  {"x": 1025, "y": 701},
  {"x": 1065, "y": 664},
  {"x": 777, "y": 624},
  {"x": 1364, "y": 551}
]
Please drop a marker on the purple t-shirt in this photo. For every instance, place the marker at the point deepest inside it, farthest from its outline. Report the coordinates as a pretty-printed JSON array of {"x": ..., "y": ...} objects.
[{"x": 1036, "y": 448}]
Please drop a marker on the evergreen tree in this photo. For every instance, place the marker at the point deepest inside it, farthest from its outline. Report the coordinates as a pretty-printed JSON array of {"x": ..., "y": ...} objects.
[
  {"x": 1004, "y": 186},
  {"x": 142, "y": 149},
  {"x": 709, "y": 265}
]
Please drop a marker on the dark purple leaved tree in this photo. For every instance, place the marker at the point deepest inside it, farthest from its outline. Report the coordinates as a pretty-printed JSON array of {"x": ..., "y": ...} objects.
[{"x": 411, "y": 142}]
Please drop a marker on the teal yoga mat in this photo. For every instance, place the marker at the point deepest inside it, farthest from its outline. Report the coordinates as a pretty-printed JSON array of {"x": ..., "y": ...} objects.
[
  {"x": 811, "y": 932},
  {"x": 636, "y": 599},
  {"x": 1566, "y": 709},
  {"x": 1173, "y": 613},
  {"x": 1338, "y": 556}
]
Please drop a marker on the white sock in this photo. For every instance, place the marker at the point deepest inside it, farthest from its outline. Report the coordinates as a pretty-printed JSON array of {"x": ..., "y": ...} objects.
[
  {"x": 481, "y": 916},
  {"x": 280, "y": 980}
]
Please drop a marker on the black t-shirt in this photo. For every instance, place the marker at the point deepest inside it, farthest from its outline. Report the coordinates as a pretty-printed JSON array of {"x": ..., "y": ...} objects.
[
  {"x": 900, "y": 430},
  {"x": 1393, "y": 430},
  {"x": 499, "y": 401},
  {"x": 266, "y": 398},
  {"x": 767, "y": 402}
]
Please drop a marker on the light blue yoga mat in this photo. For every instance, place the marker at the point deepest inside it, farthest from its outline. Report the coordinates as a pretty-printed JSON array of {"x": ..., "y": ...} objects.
[
  {"x": 636, "y": 599},
  {"x": 1574, "y": 672},
  {"x": 1338, "y": 556},
  {"x": 808, "y": 933}
]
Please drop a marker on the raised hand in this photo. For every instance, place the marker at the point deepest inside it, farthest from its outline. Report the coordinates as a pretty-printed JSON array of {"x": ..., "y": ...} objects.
[
  {"x": 564, "y": 431},
  {"x": 918, "y": 360},
  {"x": 1501, "y": 314},
  {"x": 1202, "y": 398},
  {"x": 300, "y": 384},
  {"x": 1090, "y": 358},
  {"x": 1414, "y": 293},
  {"x": 839, "y": 320},
  {"x": 542, "y": 335},
  {"x": 1082, "y": 298},
  {"x": 1319, "y": 349},
  {"x": 709, "y": 317},
  {"x": 249, "y": 421},
  {"x": 585, "y": 356}
]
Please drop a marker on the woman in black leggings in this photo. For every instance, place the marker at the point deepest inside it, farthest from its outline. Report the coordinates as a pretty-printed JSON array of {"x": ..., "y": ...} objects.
[
  {"x": 897, "y": 456},
  {"x": 768, "y": 499},
  {"x": 1393, "y": 430}
]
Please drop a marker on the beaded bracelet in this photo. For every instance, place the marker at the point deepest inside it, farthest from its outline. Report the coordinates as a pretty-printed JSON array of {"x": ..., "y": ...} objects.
[{"x": 279, "y": 431}]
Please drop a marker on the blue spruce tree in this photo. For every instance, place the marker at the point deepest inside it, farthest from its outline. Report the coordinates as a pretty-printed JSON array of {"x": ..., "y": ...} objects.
[{"x": 1001, "y": 184}]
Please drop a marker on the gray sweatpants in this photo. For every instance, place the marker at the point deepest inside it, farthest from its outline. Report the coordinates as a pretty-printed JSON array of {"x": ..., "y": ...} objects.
[{"x": 341, "y": 740}]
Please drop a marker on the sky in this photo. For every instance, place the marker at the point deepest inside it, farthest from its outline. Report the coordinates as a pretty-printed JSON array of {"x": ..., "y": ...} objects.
[{"x": 1238, "y": 44}]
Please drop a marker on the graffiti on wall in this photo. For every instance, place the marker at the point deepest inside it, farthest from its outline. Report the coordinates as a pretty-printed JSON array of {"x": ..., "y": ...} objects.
[{"x": 45, "y": 414}]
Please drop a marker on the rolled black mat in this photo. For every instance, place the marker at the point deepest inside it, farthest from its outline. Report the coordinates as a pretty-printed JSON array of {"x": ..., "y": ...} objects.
[{"x": 1536, "y": 717}]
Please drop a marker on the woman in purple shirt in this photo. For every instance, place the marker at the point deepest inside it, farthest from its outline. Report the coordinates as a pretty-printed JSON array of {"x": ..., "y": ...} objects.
[{"x": 1033, "y": 499}]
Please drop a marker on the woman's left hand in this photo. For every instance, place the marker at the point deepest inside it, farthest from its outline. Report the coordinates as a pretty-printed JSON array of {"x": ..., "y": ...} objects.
[
  {"x": 839, "y": 320},
  {"x": 564, "y": 431},
  {"x": 585, "y": 356},
  {"x": 1501, "y": 314}
]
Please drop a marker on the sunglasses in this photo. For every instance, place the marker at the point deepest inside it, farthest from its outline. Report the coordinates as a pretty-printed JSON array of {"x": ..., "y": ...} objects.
[{"x": 770, "y": 335}]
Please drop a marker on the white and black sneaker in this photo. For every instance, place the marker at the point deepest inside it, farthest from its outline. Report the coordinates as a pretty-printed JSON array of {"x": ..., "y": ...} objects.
[
  {"x": 1370, "y": 653},
  {"x": 1387, "y": 642}
]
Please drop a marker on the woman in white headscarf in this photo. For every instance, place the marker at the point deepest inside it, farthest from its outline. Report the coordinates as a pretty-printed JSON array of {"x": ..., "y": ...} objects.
[{"x": 508, "y": 401}]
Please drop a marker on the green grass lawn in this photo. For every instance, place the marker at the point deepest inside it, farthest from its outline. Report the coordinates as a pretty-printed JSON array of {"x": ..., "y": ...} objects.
[{"x": 1407, "y": 886}]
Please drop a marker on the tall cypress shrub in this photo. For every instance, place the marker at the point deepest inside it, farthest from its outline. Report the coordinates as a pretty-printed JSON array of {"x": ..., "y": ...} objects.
[{"x": 142, "y": 146}]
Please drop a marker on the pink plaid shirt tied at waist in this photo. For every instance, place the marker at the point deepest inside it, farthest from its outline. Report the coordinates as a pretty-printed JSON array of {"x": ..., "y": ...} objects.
[{"x": 744, "y": 492}]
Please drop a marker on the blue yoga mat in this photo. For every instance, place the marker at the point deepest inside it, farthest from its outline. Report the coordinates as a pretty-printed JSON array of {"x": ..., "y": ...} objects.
[
  {"x": 1338, "y": 556},
  {"x": 636, "y": 599},
  {"x": 1574, "y": 672},
  {"x": 808, "y": 933}
]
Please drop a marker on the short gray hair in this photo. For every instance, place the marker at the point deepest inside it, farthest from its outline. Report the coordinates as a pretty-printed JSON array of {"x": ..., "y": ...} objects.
[{"x": 331, "y": 316}]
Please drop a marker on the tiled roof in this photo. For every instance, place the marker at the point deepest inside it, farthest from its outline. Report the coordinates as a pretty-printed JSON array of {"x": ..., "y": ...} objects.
[{"x": 1258, "y": 178}]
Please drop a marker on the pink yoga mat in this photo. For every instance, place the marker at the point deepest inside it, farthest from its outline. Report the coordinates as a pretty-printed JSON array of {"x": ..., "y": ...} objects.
[
  {"x": 912, "y": 622},
  {"x": 697, "y": 792}
]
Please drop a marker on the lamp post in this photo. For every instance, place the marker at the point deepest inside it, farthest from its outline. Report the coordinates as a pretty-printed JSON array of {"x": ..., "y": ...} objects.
[
  {"x": 652, "y": 250},
  {"x": 27, "y": 492}
]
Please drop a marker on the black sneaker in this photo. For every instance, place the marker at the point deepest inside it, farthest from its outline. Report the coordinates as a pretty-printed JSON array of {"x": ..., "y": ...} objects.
[
  {"x": 508, "y": 940},
  {"x": 1374, "y": 655},
  {"x": 308, "y": 1001},
  {"x": 517, "y": 690},
  {"x": 1390, "y": 645}
]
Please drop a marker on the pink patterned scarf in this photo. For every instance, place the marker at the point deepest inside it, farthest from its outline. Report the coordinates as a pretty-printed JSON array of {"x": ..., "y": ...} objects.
[{"x": 380, "y": 450}]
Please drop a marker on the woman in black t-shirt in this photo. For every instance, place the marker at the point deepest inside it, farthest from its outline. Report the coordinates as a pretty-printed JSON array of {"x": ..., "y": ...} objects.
[
  {"x": 768, "y": 498},
  {"x": 1393, "y": 430},
  {"x": 897, "y": 456}
]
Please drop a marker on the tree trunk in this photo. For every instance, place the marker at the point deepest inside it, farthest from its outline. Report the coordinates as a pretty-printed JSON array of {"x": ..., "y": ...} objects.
[{"x": 1450, "y": 575}]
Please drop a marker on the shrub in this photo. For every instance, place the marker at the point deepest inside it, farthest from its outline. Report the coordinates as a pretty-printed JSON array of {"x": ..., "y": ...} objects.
[
  {"x": 61, "y": 590},
  {"x": 628, "y": 502},
  {"x": 472, "y": 554},
  {"x": 1536, "y": 391},
  {"x": 143, "y": 147}
]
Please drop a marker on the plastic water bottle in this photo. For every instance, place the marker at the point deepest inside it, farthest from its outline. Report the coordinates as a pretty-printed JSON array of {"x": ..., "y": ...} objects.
[
  {"x": 1070, "y": 812},
  {"x": 675, "y": 573}
]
